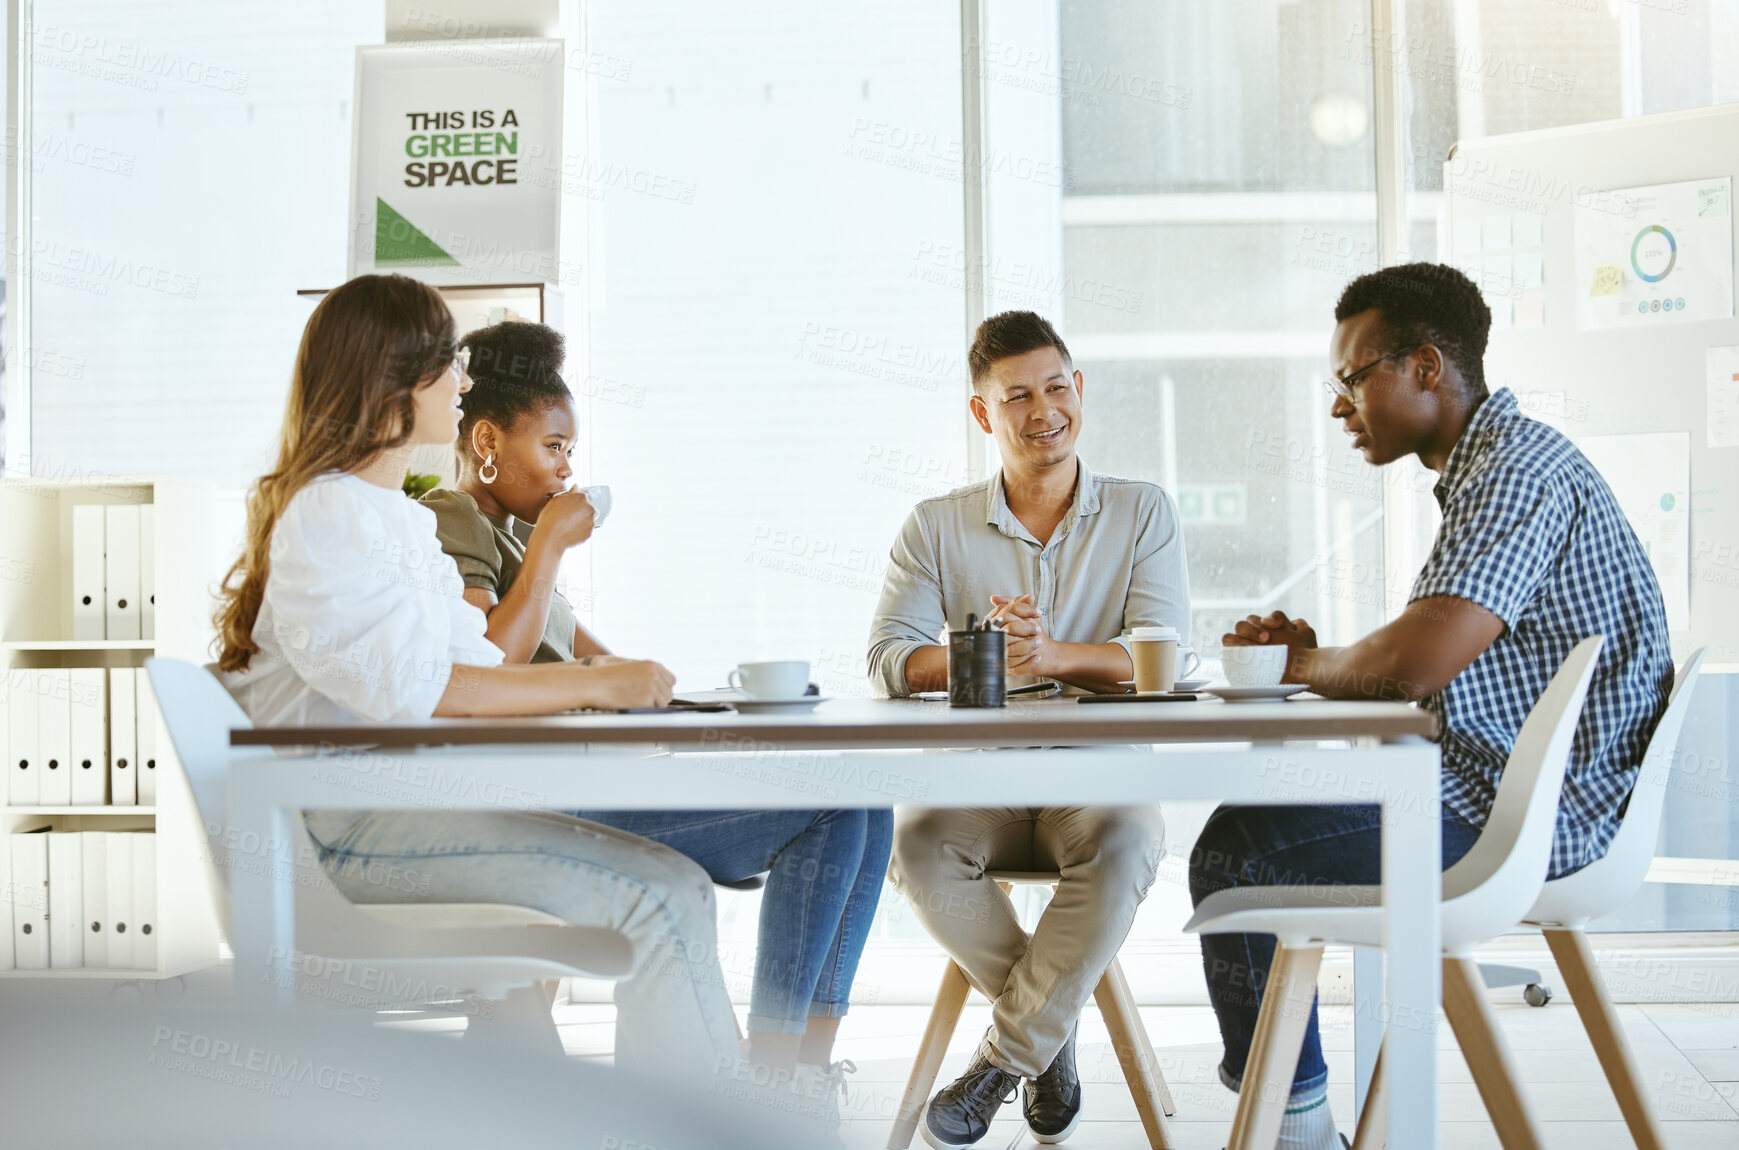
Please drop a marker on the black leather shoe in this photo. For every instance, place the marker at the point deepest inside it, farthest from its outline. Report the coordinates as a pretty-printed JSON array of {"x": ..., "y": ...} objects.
[
  {"x": 1053, "y": 1099},
  {"x": 960, "y": 1113}
]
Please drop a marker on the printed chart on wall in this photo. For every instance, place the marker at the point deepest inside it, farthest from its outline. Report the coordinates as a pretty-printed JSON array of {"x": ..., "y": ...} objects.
[
  {"x": 1650, "y": 476},
  {"x": 1656, "y": 254},
  {"x": 1723, "y": 395}
]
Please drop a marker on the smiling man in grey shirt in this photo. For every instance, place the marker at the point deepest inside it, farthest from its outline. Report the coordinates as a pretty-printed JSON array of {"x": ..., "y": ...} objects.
[
  {"x": 1082, "y": 556},
  {"x": 1114, "y": 562}
]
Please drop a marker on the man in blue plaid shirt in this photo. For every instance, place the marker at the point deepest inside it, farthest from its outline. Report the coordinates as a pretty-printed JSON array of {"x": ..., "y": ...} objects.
[{"x": 1533, "y": 556}]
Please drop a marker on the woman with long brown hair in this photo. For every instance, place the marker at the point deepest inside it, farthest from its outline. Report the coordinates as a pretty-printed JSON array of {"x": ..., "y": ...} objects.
[{"x": 343, "y": 606}]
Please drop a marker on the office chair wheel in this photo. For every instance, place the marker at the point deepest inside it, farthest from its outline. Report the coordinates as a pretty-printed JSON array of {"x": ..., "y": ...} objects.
[{"x": 1536, "y": 995}]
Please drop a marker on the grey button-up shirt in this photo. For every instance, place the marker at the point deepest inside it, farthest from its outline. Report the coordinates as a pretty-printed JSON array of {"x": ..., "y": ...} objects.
[{"x": 1115, "y": 561}]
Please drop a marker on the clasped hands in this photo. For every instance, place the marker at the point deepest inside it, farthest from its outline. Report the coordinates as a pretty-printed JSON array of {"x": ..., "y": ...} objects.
[
  {"x": 1030, "y": 650},
  {"x": 1273, "y": 630}
]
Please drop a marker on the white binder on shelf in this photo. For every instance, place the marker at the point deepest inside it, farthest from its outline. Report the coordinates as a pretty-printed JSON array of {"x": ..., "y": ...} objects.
[
  {"x": 145, "y": 742},
  {"x": 66, "y": 900},
  {"x": 54, "y": 736},
  {"x": 144, "y": 925},
  {"x": 121, "y": 570},
  {"x": 30, "y": 900},
  {"x": 88, "y": 597},
  {"x": 123, "y": 737},
  {"x": 88, "y": 696},
  {"x": 22, "y": 787},
  {"x": 5, "y": 905},
  {"x": 95, "y": 846},
  {"x": 120, "y": 882},
  {"x": 147, "y": 572}
]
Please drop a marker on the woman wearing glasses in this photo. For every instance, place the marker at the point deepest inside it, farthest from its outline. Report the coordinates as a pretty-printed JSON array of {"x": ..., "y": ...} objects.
[{"x": 343, "y": 606}]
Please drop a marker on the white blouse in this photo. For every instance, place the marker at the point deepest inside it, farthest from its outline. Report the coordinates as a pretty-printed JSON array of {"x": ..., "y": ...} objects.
[{"x": 364, "y": 615}]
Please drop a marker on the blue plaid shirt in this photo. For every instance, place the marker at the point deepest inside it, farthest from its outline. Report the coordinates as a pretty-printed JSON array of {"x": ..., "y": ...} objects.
[{"x": 1532, "y": 534}]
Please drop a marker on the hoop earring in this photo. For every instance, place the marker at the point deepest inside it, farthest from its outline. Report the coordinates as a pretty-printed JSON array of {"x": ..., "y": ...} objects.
[{"x": 488, "y": 471}]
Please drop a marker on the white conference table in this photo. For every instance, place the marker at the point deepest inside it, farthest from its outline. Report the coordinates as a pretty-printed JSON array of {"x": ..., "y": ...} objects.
[{"x": 858, "y": 753}]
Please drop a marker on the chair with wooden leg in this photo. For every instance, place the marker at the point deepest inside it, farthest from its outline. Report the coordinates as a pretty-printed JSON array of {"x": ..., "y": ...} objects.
[
  {"x": 1566, "y": 906},
  {"x": 1484, "y": 894},
  {"x": 1128, "y": 1038}
]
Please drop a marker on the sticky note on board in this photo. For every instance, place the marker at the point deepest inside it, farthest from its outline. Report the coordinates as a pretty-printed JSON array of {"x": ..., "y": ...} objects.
[
  {"x": 1495, "y": 233},
  {"x": 1529, "y": 270},
  {"x": 1712, "y": 200},
  {"x": 1608, "y": 280},
  {"x": 1528, "y": 228},
  {"x": 1467, "y": 235},
  {"x": 1531, "y": 309}
]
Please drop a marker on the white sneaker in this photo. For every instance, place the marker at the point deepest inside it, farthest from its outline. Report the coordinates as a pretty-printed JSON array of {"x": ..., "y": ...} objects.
[{"x": 821, "y": 1088}]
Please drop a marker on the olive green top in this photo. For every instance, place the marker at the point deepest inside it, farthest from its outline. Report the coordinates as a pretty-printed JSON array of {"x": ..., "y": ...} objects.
[{"x": 488, "y": 556}]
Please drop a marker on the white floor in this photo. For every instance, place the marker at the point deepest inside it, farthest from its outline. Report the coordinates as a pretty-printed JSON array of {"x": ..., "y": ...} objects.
[{"x": 1689, "y": 1057}]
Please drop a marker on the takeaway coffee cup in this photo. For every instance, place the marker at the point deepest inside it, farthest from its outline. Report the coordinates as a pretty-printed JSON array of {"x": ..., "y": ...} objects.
[
  {"x": 1254, "y": 666},
  {"x": 784, "y": 679},
  {"x": 1154, "y": 651}
]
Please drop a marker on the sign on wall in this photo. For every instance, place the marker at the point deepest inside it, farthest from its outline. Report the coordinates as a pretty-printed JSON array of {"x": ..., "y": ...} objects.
[{"x": 454, "y": 161}]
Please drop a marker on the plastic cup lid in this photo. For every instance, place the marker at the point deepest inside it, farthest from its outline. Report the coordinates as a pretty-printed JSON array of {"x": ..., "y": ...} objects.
[{"x": 1161, "y": 634}]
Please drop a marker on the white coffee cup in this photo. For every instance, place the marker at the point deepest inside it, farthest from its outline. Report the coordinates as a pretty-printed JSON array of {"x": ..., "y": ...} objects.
[
  {"x": 1187, "y": 662},
  {"x": 786, "y": 679},
  {"x": 1254, "y": 666},
  {"x": 599, "y": 498}
]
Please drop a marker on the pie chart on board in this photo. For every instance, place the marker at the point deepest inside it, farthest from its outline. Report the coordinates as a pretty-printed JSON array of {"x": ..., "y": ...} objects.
[{"x": 1653, "y": 254}]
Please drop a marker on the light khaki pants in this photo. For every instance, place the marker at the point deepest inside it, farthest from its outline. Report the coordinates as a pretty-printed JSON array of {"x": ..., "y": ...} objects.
[{"x": 1037, "y": 983}]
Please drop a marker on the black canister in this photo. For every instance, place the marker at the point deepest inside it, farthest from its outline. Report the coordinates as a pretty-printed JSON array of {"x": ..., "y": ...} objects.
[{"x": 977, "y": 668}]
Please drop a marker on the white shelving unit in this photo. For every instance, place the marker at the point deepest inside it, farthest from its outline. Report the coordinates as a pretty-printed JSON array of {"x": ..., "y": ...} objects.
[{"x": 35, "y": 620}]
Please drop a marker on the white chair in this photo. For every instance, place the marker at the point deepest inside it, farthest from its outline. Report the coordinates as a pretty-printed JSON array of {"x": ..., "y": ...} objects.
[
  {"x": 1484, "y": 894},
  {"x": 495, "y": 951},
  {"x": 1116, "y": 1004},
  {"x": 1568, "y": 904}
]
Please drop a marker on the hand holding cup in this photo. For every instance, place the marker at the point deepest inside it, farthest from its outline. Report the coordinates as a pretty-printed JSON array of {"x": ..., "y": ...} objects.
[{"x": 566, "y": 520}]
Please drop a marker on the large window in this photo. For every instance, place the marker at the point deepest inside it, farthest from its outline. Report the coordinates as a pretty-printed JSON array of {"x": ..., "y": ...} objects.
[
  {"x": 1218, "y": 190},
  {"x": 190, "y": 173},
  {"x": 795, "y": 384},
  {"x": 1219, "y": 175}
]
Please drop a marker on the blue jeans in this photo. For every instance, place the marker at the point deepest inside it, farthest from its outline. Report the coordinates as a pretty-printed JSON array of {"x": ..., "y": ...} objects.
[
  {"x": 825, "y": 877},
  {"x": 673, "y": 1015},
  {"x": 1284, "y": 846}
]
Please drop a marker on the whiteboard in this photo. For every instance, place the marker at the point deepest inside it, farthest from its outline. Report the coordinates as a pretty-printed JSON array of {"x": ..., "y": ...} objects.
[{"x": 1512, "y": 209}]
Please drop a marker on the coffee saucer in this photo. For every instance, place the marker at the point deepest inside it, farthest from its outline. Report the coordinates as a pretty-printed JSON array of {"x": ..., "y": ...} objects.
[
  {"x": 776, "y": 706},
  {"x": 1179, "y": 685},
  {"x": 1256, "y": 694}
]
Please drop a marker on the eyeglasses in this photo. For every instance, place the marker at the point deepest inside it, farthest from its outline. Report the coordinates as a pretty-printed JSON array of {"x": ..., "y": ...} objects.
[
  {"x": 1343, "y": 386},
  {"x": 462, "y": 361}
]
